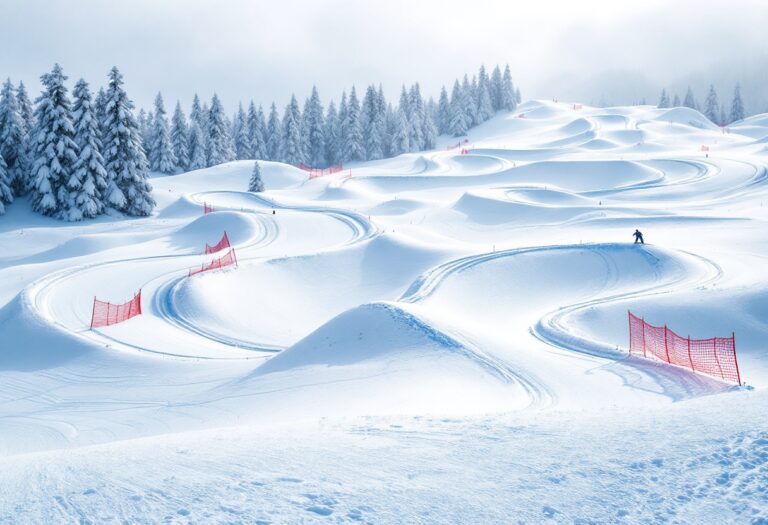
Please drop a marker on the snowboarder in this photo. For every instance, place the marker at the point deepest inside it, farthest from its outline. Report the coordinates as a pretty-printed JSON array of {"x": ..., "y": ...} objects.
[{"x": 638, "y": 237}]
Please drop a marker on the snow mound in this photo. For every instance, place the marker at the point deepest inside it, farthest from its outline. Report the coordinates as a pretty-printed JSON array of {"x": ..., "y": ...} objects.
[
  {"x": 686, "y": 116},
  {"x": 599, "y": 144},
  {"x": 489, "y": 208},
  {"x": 585, "y": 175},
  {"x": 208, "y": 229}
]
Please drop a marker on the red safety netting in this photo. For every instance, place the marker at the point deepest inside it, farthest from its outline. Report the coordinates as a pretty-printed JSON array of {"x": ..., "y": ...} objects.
[
  {"x": 457, "y": 145},
  {"x": 105, "y": 314},
  {"x": 704, "y": 148},
  {"x": 222, "y": 244},
  {"x": 207, "y": 208},
  {"x": 227, "y": 260},
  {"x": 715, "y": 357},
  {"x": 465, "y": 151},
  {"x": 317, "y": 172}
]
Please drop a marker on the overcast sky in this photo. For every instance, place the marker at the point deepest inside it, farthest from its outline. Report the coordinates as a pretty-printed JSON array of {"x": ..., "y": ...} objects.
[{"x": 617, "y": 50}]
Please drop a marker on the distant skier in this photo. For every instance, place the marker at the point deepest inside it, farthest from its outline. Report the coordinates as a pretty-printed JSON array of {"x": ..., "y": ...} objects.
[{"x": 638, "y": 237}]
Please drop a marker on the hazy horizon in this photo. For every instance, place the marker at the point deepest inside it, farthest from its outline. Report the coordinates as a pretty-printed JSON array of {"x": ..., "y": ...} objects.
[{"x": 596, "y": 51}]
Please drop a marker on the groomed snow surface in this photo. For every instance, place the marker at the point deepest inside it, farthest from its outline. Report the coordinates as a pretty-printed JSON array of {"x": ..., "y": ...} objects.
[{"x": 439, "y": 338}]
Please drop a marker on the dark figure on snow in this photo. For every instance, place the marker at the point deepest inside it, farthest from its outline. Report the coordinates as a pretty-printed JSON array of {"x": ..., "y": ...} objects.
[{"x": 638, "y": 237}]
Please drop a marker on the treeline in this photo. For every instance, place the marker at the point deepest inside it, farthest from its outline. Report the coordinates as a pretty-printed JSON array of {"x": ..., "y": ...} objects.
[
  {"x": 78, "y": 158},
  {"x": 74, "y": 160},
  {"x": 712, "y": 109},
  {"x": 355, "y": 130}
]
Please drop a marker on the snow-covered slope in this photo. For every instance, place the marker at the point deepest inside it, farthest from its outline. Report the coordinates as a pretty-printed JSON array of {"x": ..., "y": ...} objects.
[{"x": 436, "y": 337}]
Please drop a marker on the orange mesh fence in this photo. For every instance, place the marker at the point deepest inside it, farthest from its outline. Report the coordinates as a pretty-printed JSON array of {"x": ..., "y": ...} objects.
[
  {"x": 221, "y": 245},
  {"x": 105, "y": 314},
  {"x": 714, "y": 357},
  {"x": 221, "y": 262}
]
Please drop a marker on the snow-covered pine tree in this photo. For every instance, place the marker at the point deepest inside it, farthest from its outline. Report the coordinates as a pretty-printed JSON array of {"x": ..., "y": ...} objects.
[
  {"x": 99, "y": 108},
  {"x": 405, "y": 105},
  {"x": 241, "y": 138},
  {"x": 443, "y": 112},
  {"x": 291, "y": 141},
  {"x": 458, "y": 125},
  {"x": 468, "y": 103},
  {"x": 146, "y": 130},
  {"x": 722, "y": 120},
  {"x": 475, "y": 92},
  {"x": 372, "y": 125},
  {"x": 331, "y": 133},
  {"x": 124, "y": 159},
  {"x": 256, "y": 145},
  {"x": 219, "y": 141},
  {"x": 343, "y": 131},
  {"x": 54, "y": 148},
  {"x": 689, "y": 101},
  {"x": 314, "y": 125},
  {"x": 663, "y": 99},
  {"x": 13, "y": 140},
  {"x": 484, "y": 108},
  {"x": 496, "y": 87},
  {"x": 676, "y": 101},
  {"x": 508, "y": 98},
  {"x": 196, "y": 112},
  {"x": 89, "y": 179},
  {"x": 429, "y": 130},
  {"x": 6, "y": 195},
  {"x": 712, "y": 106},
  {"x": 399, "y": 141},
  {"x": 25, "y": 108},
  {"x": 180, "y": 138},
  {"x": 256, "y": 184},
  {"x": 418, "y": 114},
  {"x": 737, "y": 105},
  {"x": 197, "y": 159},
  {"x": 354, "y": 147},
  {"x": 274, "y": 134},
  {"x": 161, "y": 157}
]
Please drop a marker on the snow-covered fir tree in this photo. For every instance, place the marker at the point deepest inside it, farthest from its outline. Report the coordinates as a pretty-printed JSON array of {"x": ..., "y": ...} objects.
[
  {"x": 399, "y": 142},
  {"x": 314, "y": 125},
  {"x": 663, "y": 99},
  {"x": 255, "y": 125},
  {"x": 274, "y": 134},
  {"x": 508, "y": 97},
  {"x": 6, "y": 195},
  {"x": 13, "y": 139},
  {"x": 197, "y": 159},
  {"x": 373, "y": 125},
  {"x": 468, "y": 102},
  {"x": 331, "y": 133},
  {"x": 429, "y": 131},
  {"x": 161, "y": 157},
  {"x": 25, "y": 108},
  {"x": 180, "y": 139},
  {"x": 737, "y": 105},
  {"x": 53, "y": 148},
  {"x": 712, "y": 106},
  {"x": 256, "y": 184},
  {"x": 676, "y": 101},
  {"x": 483, "y": 100},
  {"x": 418, "y": 114},
  {"x": 354, "y": 145},
  {"x": 240, "y": 135},
  {"x": 495, "y": 88},
  {"x": 219, "y": 141},
  {"x": 689, "y": 101},
  {"x": 291, "y": 143},
  {"x": 124, "y": 159},
  {"x": 199, "y": 117},
  {"x": 444, "y": 112},
  {"x": 343, "y": 132},
  {"x": 146, "y": 130},
  {"x": 89, "y": 179},
  {"x": 459, "y": 124}
]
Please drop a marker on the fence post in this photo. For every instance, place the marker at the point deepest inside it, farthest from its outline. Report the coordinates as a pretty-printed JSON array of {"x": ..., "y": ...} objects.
[
  {"x": 138, "y": 302},
  {"x": 689, "y": 354},
  {"x": 735, "y": 361},
  {"x": 93, "y": 312},
  {"x": 234, "y": 255},
  {"x": 666, "y": 347}
]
